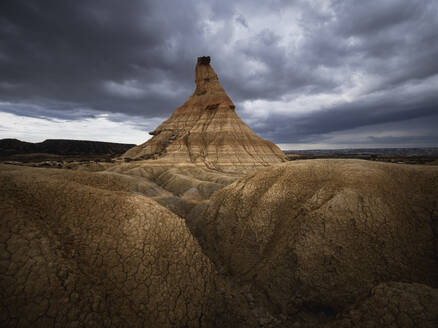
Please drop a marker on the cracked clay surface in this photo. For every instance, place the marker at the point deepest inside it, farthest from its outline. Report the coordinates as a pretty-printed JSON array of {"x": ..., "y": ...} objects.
[
  {"x": 321, "y": 243},
  {"x": 78, "y": 255}
]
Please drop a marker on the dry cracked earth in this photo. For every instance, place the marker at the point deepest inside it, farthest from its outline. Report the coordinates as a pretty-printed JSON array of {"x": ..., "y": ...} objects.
[{"x": 317, "y": 243}]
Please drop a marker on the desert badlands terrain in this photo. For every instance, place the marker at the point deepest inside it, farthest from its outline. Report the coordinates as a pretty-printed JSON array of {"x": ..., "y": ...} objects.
[{"x": 207, "y": 225}]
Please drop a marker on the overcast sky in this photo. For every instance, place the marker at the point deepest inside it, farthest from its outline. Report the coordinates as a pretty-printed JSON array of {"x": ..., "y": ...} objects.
[{"x": 304, "y": 74}]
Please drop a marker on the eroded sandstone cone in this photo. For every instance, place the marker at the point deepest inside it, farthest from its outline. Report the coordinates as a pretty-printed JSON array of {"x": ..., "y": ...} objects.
[{"x": 206, "y": 130}]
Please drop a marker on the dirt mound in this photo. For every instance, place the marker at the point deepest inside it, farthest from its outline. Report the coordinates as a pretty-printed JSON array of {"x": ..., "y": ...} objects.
[
  {"x": 206, "y": 130},
  {"x": 317, "y": 235},
  {"x": 316, "y": 243},
  {"x": 177, "y": 187},
  {"x": 78, "y": 249}
]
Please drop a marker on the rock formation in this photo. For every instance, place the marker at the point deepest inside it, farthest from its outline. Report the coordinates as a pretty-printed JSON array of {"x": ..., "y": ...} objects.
[{"x": 206, "y": 130}]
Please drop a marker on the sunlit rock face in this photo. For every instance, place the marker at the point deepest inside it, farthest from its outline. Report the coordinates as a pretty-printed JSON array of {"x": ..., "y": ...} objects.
[{"x": 206, "y": 130}]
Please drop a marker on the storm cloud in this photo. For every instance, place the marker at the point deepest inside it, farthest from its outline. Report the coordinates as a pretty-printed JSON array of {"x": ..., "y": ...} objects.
[{"x": 300, "y": 72}]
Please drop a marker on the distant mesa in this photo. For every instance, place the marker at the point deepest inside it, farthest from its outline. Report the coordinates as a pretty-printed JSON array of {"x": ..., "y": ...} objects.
[
  {"x": 206, "y": 130},
  {"x": 62, "y": 147}
]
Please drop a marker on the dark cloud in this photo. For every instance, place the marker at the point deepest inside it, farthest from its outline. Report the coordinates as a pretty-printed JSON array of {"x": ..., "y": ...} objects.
[
  {"x": 68, "y": 51},
  {"x": 241, "y": 19},
  {"x": 71, "y": 59},
  {"x": 303, "y": 128}
]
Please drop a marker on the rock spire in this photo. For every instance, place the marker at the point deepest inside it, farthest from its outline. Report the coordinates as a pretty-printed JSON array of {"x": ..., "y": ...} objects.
[{"x": 206, "y": 130}]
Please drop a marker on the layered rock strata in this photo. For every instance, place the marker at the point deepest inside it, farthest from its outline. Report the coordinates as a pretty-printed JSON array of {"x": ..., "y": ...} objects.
[{"x": 206, "y": 130}]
